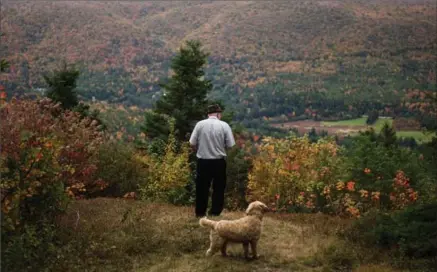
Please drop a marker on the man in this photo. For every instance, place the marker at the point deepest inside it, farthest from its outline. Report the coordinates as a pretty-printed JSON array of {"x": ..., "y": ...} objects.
[{"x": 211, "y": 137}]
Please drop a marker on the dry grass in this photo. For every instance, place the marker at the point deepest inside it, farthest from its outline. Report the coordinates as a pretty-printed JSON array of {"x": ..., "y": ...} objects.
[{"x": 123, "y": 235}]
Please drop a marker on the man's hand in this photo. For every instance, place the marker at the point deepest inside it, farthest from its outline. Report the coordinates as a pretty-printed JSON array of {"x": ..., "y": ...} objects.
[{"x": 194, "y": 147}]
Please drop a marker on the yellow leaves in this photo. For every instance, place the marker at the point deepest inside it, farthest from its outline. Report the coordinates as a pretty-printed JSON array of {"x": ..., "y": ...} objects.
[
  {"x": 364, "y": 193},
  {"x": 282, "y": 172},
  {"x": 353, "y": 211},
  {"x": 288, "y": 166},
  {"x": 69, "y": 192},
  {"x": 340, "y": 185},
  {"x": 170, "y": 173},
  {"x": 302, "y": 173},
  {"x": 80, "y": 187},
  {"x": 48, "y": 145},
  {"x": 326, "y": 190},
  {"x": 6, "y": 207}
]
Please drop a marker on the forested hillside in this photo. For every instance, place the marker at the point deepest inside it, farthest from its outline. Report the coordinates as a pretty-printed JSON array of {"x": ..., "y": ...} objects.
[
  {"x": 299, "y": 59},
  {"x": 78, "y": 133}
]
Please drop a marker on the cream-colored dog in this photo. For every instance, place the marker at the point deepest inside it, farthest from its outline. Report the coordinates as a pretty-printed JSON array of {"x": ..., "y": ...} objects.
[{"x": 246, "y": 230}]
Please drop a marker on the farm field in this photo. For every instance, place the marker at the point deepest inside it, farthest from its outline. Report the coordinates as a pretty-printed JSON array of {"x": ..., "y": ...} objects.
[
  {"x": 350, "y": 127},
  {"x": 358, "y": 122}
]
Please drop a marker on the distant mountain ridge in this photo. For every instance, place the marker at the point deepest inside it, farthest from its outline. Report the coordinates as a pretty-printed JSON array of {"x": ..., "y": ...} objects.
[{"x": 125, "y": 48}]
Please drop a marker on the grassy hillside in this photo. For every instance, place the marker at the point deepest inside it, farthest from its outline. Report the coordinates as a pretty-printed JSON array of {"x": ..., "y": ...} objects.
[
  {"x": 347, "y": 48},
  {"x": 123, "y": 235}
]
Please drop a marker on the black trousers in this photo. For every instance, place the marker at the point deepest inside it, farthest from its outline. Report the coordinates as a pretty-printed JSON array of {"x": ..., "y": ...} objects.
[{"x": 210, "y": 171}]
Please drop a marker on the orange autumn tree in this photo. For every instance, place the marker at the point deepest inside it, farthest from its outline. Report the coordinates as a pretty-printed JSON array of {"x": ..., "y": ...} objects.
[
  {"x": 46, "y": 155},
  {"x": 284, "y": 168}
]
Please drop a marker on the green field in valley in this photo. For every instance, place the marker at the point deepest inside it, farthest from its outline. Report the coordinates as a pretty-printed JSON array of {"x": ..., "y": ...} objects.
[
  {"x": 418, "y": 135},
  {"x": 358, "y": 122}
]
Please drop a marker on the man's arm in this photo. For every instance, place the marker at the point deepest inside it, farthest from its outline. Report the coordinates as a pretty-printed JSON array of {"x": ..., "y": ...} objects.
[
  {"x": 193, "y": 138},
  {"x": 229, "y": 137}
]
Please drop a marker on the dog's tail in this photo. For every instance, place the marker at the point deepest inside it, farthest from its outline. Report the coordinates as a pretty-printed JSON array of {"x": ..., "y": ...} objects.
[{"x": 204, "y": 222}]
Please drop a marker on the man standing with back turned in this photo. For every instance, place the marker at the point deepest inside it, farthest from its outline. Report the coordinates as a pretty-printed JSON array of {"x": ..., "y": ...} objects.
[{"x": 211, "y": 137}]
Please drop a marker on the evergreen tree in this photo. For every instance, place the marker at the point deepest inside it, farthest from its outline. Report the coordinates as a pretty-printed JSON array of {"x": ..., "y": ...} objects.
[
  {"x": 312, "y": 135},
  {"x": 184, "y": 97},
  {"x": 3, "y": 63},
  {"x": 370, "y": 134},
  {"x": 372, "y": 117},
  {"x": 388, "y": 135},
  {"x": 62, "y": 85}
]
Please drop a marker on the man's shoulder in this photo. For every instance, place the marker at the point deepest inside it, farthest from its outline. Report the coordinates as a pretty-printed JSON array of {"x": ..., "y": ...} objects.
[
  {"x": 201, "y": 122},
  {"x": 226, "y": 125}
]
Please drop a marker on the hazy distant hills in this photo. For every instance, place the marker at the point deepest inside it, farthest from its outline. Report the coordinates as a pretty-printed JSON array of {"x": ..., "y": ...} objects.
[{"x": 124, "y": 48}]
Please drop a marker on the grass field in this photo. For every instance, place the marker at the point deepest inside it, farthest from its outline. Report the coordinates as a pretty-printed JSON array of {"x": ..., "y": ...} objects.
[
  {"x": 351, "y": 122},
  {"x": 361, "y": 122},
  {"x": 126, "y": 235},
  {"x": 418, "y": 135}
]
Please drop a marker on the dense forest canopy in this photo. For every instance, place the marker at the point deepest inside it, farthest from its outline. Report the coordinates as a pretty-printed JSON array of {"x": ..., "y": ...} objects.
[{"x": 333, "y": 59}]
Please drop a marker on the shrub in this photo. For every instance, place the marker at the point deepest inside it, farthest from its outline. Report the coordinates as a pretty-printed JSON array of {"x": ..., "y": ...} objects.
[
  {"x": 46, "y": 154},
  {"x": 374, "y": 167},
  {"x": 168, "y": 174},
  {"x": 121, "y": 167},
  {"x": 411, "y": 232},
  {"x": 295, "y": 174},
  {"x": 285, "y": 168},
  {"x": 238, "y": 166},
  {"x": 337, "y": 257}
]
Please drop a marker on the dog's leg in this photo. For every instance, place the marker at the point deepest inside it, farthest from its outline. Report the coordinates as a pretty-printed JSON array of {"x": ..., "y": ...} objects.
[
  {"x": 223, "y": 249},
  {"x": 212, "y": 239},
  {"x": 215, "y": 245},
  {"x": 253, "y": 246},
  {"x": 246, "y": 250}
]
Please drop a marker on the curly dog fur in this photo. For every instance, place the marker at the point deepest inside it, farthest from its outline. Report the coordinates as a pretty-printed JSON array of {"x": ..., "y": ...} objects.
[{"x": 246, "y": 230}]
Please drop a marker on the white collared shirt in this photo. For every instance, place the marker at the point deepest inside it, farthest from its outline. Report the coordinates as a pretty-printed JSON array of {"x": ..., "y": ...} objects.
[{"x": 211, "y": 137}]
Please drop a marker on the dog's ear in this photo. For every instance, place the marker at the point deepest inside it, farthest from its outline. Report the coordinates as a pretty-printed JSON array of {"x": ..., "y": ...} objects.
[
  {"x": 249, "y": 208},
  {"x": 264, "y": 207},
  {"x": 256, "y": 208}
]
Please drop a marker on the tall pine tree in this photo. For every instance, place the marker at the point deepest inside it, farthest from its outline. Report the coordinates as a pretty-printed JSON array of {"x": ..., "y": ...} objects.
[
  {"x": 387, "y": 136},
  {"x": 3, "y": 63},
  {"x": 62, "y": 85},
  {"x": 185, "y": 95},
  {"x": 62, "y": 89}
]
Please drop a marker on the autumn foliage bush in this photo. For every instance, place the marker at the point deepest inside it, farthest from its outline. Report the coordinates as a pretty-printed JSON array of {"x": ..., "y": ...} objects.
[
  {"x": 285, "y": 168},
  {"x": 122, "y": 167},
  {"x": 47, "y": 155},
  {"x": 395, "y": 172},
  {"x": 294, "y": 174},
  {"x": 168, "y": 174}
]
